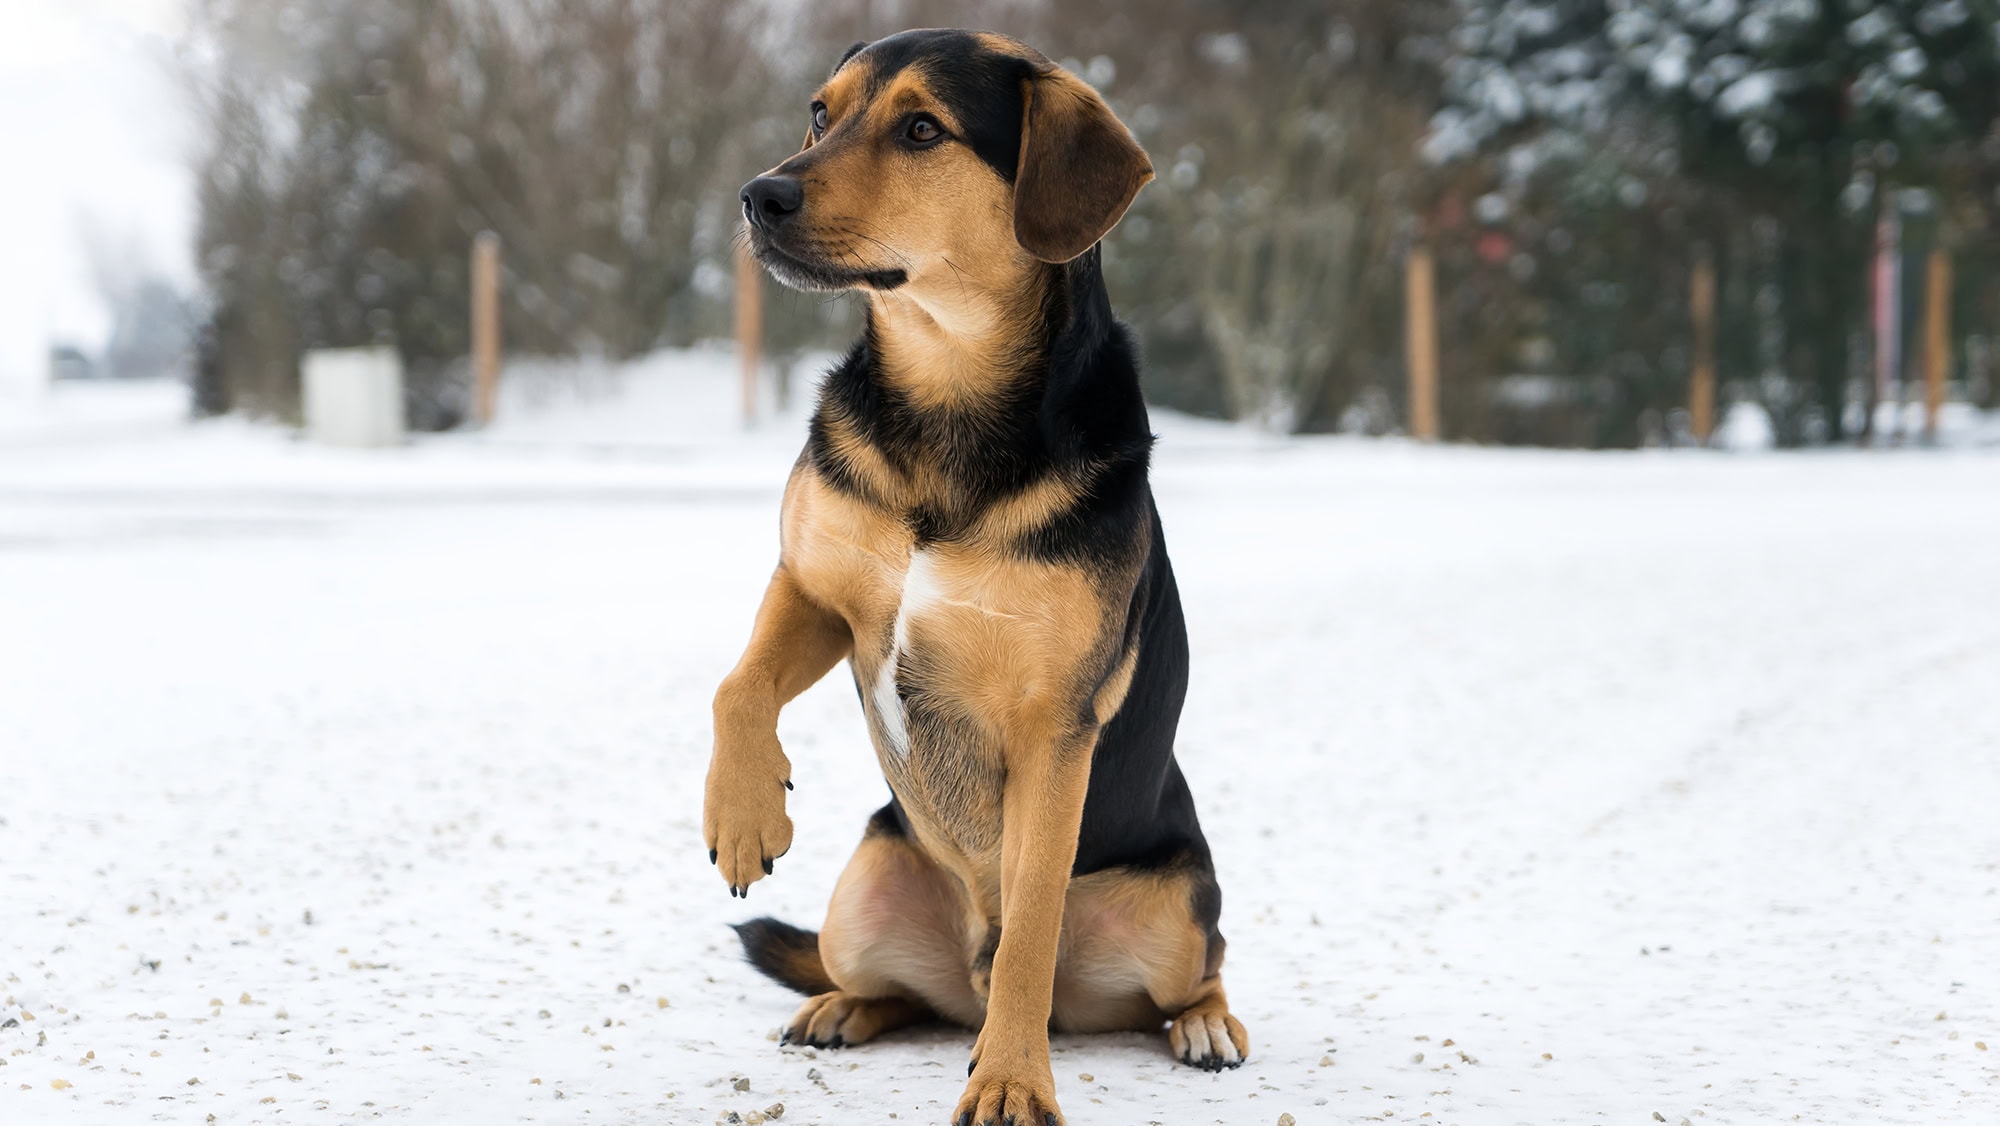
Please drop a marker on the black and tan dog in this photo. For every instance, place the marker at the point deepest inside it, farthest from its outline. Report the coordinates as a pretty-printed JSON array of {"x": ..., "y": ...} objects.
[{"x": 970, "y": 526}]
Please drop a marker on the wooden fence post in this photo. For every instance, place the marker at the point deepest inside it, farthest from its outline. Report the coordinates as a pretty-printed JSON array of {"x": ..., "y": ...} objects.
[
  {"x": 485, "y": 325},
  {"x": 749, "y": 326},
  {"x": 1701, "y": 390},
  {"x": 1420, "y": 317},
  {"x": 1937, "y": 338}
]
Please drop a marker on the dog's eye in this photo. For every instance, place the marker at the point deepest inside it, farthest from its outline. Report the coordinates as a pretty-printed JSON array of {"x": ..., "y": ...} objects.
[
  {"x": 819, "y": 118},
  {"x": 923, "y": 130}
]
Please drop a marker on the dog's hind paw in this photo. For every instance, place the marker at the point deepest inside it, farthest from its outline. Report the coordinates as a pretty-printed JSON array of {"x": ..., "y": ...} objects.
[
  {"x": 838, "y": 1020},
  {"x": 1207, "y": 1037}
]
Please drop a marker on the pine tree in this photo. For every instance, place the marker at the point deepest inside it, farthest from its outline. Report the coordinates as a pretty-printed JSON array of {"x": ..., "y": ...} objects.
[{"x": 1796, "y": 109}]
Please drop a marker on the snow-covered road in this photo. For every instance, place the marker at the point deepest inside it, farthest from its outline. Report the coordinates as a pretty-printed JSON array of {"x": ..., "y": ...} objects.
[{"x": 1544, "y": 788}]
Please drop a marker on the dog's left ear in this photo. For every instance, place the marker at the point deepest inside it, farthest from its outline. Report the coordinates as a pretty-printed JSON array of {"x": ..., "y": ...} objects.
[{"x": 1078, "y": 171}]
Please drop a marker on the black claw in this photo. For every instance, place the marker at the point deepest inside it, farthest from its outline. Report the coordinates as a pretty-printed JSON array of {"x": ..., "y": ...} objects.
[
  {"x": 788, "y": 783},
  {"x": 711, "y": 856},
  {"x": 969, "y": 1065},
  {"x": 767, "y": 866},
  {"x": 784, "y": 1037},
  {"x": 964, "y": 1119},
  {"x": 838, "y": 1041}
]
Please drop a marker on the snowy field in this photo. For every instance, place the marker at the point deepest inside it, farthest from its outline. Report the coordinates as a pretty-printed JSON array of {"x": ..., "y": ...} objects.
[{"x": 1544, "y": 788}]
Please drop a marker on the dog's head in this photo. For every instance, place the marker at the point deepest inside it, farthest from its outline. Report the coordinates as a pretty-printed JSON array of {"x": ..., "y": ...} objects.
[{"x": 934, "y": 157}]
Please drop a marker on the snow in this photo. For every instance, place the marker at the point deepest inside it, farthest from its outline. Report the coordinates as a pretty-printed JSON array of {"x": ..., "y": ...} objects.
[
  {"x": 1752, "y": 94},
  {"x": 1544, "y": 787}
]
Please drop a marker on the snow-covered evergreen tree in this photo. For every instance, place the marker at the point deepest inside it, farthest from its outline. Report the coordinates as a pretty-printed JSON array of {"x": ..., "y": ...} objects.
[{"x": 1791, "y": 108}]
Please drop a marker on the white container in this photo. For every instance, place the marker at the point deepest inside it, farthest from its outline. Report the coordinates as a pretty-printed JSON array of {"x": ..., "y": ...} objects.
[{"x": 354, "y": 396}]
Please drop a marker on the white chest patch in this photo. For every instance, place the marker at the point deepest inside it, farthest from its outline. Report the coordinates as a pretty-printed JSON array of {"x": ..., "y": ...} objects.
[{"x": 920, "y": 591}]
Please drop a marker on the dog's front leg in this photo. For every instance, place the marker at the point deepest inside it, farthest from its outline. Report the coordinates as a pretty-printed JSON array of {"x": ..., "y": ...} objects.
[
  {"x": 1041, "y": 814},
  {"x": 793, "y": 644}
]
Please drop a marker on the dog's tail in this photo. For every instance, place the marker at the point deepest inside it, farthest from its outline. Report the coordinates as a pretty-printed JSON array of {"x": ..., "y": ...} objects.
[{"x": 785, "y": 954}]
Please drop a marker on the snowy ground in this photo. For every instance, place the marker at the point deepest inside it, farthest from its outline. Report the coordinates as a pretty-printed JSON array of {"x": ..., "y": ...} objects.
[{"x": 1545, "y": 788}]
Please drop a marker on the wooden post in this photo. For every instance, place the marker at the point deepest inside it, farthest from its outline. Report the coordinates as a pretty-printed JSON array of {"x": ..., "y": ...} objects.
[
  {"x": 749, "y": 326},
  {"x": 1701, "y": 390},
  {"x": 1937, "y": 338},
  {"x": 1420, "y": 316},
  {"x": 485, "y": 325}
]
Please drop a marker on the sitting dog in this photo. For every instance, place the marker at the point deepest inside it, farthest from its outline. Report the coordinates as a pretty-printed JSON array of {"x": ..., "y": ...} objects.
[{"x": 971, "y": 528}]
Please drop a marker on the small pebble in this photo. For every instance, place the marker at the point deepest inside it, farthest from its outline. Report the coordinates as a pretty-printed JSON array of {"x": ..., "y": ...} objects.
[
  {"x": 1287, "y": 1120},
  {"x": 1326, "y": 1061},
  {"x": 1658, "y": 1117},
  {"x": 742, "y": 1083},
  {"x": 775, "y": 1110},
  {"x": 1980, "y": 1044},
  {"x": 59, "y": 1084},
  {"x": 1087, "y": 1077}
]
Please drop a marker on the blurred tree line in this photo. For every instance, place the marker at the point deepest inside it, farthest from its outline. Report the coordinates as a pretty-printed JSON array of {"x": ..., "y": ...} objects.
[{"x": 1566, "y": 160}]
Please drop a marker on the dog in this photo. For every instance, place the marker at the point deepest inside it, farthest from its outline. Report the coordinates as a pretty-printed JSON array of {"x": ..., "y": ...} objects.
[{"x": 971, "y": 528}]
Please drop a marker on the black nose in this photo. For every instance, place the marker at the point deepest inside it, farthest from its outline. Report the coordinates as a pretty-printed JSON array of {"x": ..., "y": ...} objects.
[{"x": 770, "y": 200}]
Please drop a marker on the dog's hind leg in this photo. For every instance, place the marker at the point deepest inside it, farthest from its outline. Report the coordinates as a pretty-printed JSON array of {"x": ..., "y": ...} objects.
[
  {"x": 894, "y": 946},
  {"x": 838, "y": 1019},
  {"x": 1139, "y": 948}
]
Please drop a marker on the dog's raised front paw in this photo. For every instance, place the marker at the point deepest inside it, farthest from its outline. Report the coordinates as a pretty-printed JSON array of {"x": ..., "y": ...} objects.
[{"x": 743, "y": 815}]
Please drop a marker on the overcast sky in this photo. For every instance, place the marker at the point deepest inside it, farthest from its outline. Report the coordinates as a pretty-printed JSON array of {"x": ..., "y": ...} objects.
[{"x": 93, "y": 136}]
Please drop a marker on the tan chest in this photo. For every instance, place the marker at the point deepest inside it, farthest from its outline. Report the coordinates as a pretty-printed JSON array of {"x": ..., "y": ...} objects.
[{"x": 958, "y": 648}]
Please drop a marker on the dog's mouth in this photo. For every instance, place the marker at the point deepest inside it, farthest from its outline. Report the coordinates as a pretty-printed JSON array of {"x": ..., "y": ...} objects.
[{"x": 810, "y": 269}]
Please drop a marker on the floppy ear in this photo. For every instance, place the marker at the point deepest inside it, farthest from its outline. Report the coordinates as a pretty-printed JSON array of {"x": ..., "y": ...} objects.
[{"x": 1078, "y": 171}]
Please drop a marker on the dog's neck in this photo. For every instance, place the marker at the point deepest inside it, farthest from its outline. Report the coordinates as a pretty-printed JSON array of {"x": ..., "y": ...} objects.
[
  {"x": 1060, "y": 386},
  {"x": 963, "y": 345},
  {"x": 958, "y": 344}
]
